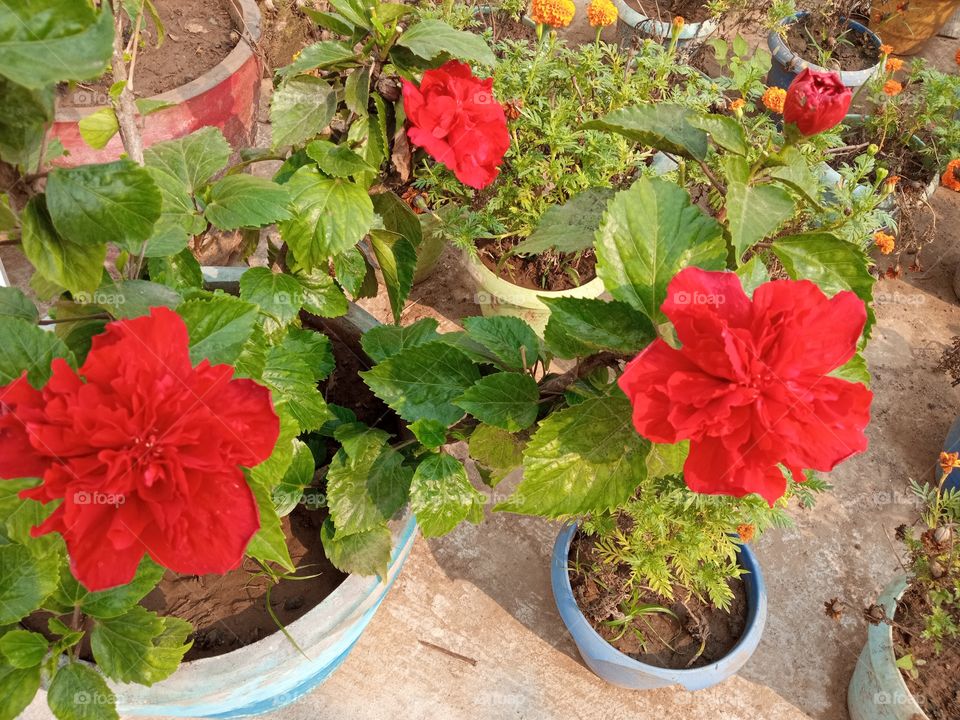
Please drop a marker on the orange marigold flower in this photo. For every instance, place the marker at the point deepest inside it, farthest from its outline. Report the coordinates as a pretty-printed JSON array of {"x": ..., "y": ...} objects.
[
  {"x": 737, "y": 104},
  {"x": 949, "y": 461},
  {"x": 886, "y": 49},
  {"x": 602, "y": 13},
  {"x": 891, "y": 182},
  {"x": 555, "y": 13},
  {"x": 894, "y": 64},
  {"x": 957, "y": 57},
  {"x": 773, "y": 99},
  {"x": 892, "y": 87},
  {"x": 884, "y": 242},
  {"x": 951, "y": 177},
  {"x": 746, "y": 532},
  {"x": 679, "y": 22}
]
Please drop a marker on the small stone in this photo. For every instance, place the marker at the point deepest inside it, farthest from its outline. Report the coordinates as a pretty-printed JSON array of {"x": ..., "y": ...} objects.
[{"x": 197, "y": 28}]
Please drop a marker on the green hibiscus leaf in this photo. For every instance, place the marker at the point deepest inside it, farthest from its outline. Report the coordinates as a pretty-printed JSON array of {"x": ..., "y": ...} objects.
[
  {"x": 431, "y": 38},
  {"x": 78, "y": 692},
  {"x": 507, "y": 400},
  {"x": 119, "y": 201},
  {"x": 385, "y": 341},
  {"x": 585, "y": 459},
  {"x": 365, "y": 553},
  {"x": 422, "y": 382},
  {"x": 301, "y": 109},
  {"x": 510, "y": 340},
  {"x": 579, "y": 327},
  {"x": 139, "y": 646},
  {"x": 269, "y": 545},
  {"x": 18, "y": 686},
  {"x": 193, "y": 159},
  {"x": 441, "y": 495},
  {"x": 277, "y": 294},
  {"x": 239, "y": 201},
  {"x": 23, "y": 649},
  {"x": 218, "y": 327},
  {"x": 25, "y": 581},
  {"x": 496, "y": 452},
  {"x": 398, "y": 261},
  {"x": 27, "y": 347}
]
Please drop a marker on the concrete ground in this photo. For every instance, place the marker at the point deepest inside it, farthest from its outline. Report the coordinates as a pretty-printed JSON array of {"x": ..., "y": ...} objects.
[{"x": 483, "y": 593}]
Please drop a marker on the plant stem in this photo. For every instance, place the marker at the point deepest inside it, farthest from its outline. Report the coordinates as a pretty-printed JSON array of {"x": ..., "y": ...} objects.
[
  {"x": 60, "y": 321},
  {"x": 714, "y": 180},
  {"x": 124, "y": 105}
]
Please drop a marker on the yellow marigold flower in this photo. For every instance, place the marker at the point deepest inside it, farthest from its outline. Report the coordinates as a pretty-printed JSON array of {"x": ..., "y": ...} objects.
[
  {"x": 948, "y": 461},
  {"x": 555, "y": 13},
  {"x": 679, "y": 22},
  {"x": 601, "y": 13},
  {"x": 746, "y": 532},
  {"x": 886, "y": 243},
  {"x": 892, "y": 87},
  {"x": 737, "y": 104},
  {"x": 951, "y": 177},
  {"x": 886, "y": 49},
  {"x": 894, "y": 64},
  {"x": 773, "y": 98}
]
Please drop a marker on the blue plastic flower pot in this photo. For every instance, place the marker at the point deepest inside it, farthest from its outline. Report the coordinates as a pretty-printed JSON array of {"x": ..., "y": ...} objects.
[
  {"x": 622, "y": 670},
  {"x": 952, "y": 444},
  {"x": 877, "y": 690},
  {"x": 787, "y": 64}
]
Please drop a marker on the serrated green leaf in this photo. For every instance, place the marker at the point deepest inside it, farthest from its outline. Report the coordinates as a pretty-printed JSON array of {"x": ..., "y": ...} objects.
[
  {"x": 579, "y": 327},
  {"x": 179, "y": 218},
  {"x": 367, "y": 482},
  {"x": 14, "y": 304},
  {"x": 17, "y": 689},
  {"x": 585, "y": 459},
  {"x": 139, "y": 646},
  {"x": 398, "y": 217},
  {"x": 238, "y": 201},
  {"x": 441, "y": 495},
  {"x": 134, "y": 298},
  {"x": 43, "y": 42},
  {"x": 301, "y": 109},
  {"x": 330, "y": 216},
  {"x": 269, "y": 544},
  {"x": 661, "y": 125},
  {"x": 754, "y": 212},
  {"x": 298, "y": 477},
  {"x": 497, "y": 451},
  {"x": 506, "y": 400},
  {"x": 753, "y": 274},
  {"x": 218, "y": 327},
  {"x": 366, "y": 553},
  {"x": 69, "y": 263},
  {"x": 180, "y": 271},
  {"x": 118, "y": 201},
  {"x": 429, "y": 433},
  {"x": 78, "y": 692},
  {"x": 292, "y": 379},
  {"x": 665, "y": 460},
  {"x": 855, "y": 370},
  {"x": 355, "y": 273},
  {"x": 421, "y": 382},
  {"x": 651, "y": 232},
  {"x": 321, "y": 296},
  {"x": 727, "y": 132},
  {"x": 327, "y": 54},
  {"x": 23, "y": 649},
  {"x": 25, "y": 581},
  {"x": 277, "y": 294},
  {"x": 385, "y": 341},
  {"x": 431, "y": 38},
  {"x": 99, "y": 127},
  {"x": 117, "y": 601},
  {"x": 330, "y": 21},
  {"x": 828, "y": 261},
  {"x": 28, "y": 347},
  {"x": 337, "y": 160},
  {"x": 510, "y": 340},
  {"x": 397, "y": 259},
  {"x": 571, "y": 227},
  {"x": 148, "y": 106},
  {"x": 193, "y": 159},
  {"x": 356, "y": 91}
]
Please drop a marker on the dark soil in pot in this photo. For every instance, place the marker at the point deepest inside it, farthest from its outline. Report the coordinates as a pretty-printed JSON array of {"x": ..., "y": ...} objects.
[
  {"x": 199, "y": 35},
  {"x": 666, "y": 10},
  {"x": 849, "y": 49},
  {"x": 506, "y": 26},
  {"x": 935, "y": 688},
  {"x": 551, "y": 271},
  {"x": 698, "y": 636}
]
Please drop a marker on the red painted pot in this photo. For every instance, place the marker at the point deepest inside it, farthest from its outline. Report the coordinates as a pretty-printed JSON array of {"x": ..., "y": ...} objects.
[{"x": 225, "y": 97}]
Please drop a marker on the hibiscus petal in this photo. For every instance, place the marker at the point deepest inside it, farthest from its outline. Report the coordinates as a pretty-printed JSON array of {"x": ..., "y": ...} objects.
[
  {"x": 214, "y": 530},
  {"x": 19, "y": 403},
  {"x": 712, "y": 468}
]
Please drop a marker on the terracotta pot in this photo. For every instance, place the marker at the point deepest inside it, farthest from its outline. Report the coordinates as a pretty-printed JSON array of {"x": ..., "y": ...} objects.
[
  {"x": 908, "y": 29},
  {"x": 225, "y": 97}
]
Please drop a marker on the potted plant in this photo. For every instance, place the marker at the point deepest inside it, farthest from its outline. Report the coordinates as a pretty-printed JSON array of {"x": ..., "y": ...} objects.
[
  {"x": 526, "y": 227},
  {"x": 915, "y": 623},
  {"x": 220, "y": 89},
  {"x": 824, "y": 40},
  {"x": 682, "y": 23}
]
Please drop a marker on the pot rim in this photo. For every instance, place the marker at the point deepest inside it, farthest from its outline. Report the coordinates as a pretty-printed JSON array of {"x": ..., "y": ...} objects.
[
  {"x": 789, "y": 59},
  {"x": 247, "y": 21},
  {"x": 755, "y": 620},
  {"x": 658, "y": 28}
]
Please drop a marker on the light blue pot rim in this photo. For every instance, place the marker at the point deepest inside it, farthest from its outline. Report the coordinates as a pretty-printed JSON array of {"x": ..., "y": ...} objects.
[{"x": 795, "y": 64}]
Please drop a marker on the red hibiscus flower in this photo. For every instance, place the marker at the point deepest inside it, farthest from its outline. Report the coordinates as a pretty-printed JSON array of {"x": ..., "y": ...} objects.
[
  {"x": 816, "y": 101},
  {"x": 750, "y": 386},
  {"x": 456, "y": 119},
  {"x": 145, "y": 452}
]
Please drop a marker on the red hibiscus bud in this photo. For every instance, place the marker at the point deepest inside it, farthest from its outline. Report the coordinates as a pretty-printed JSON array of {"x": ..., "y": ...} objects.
[
  {"x": 816, "y": 101},
  {"x": 455, "y": 118}
]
